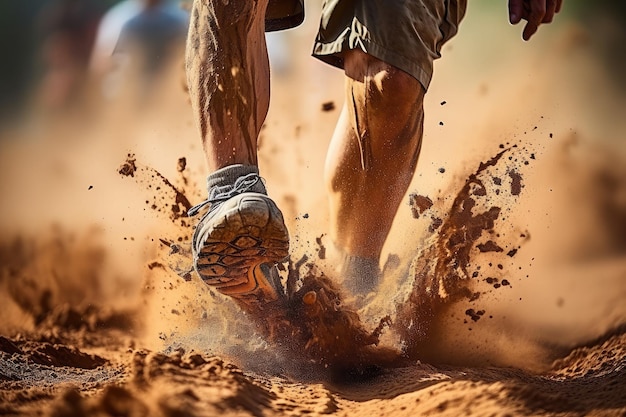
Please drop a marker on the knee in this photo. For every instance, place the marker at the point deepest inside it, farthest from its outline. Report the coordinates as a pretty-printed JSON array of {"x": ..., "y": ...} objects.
[{"x": 392, "y": 92}]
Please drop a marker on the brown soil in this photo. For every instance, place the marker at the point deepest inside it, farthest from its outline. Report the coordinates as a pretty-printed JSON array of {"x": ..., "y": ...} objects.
[{"x": 82, "y": 358}]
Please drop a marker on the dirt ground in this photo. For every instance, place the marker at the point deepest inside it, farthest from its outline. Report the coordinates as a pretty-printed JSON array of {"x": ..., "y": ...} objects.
[{"x": 505, "y": 274}]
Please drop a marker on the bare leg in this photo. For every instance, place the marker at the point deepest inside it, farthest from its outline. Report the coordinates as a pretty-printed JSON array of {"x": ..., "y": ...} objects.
[
  {"x": 373, "y": 153},
  {"x": 228, "y": 78},
  {"x": 242, "y": 235}
]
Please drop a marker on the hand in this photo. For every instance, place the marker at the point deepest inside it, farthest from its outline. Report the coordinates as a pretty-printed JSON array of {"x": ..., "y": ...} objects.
[{"x": 535, "y": 12}]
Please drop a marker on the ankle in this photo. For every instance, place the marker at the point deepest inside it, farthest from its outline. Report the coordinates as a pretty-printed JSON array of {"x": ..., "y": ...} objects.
[
  {"x": 224, "y": 178},
  {"x": 359, "y": 274}
]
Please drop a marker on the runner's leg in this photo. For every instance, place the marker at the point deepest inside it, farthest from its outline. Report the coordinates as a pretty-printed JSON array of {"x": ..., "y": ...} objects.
[
  {"x": 242, "y": 233},
  {"x": 228, "y": 78},
  {"x": 371, "y": 159}
]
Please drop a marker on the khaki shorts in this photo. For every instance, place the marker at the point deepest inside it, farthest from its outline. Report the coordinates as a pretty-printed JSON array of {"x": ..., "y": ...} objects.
[
  {"x": 283, "y": 14},
  {"x": 407, "y": 34}
]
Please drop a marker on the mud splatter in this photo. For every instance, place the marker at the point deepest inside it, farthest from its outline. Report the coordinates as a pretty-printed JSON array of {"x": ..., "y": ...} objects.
[
  {"x": 419, "y": 204},
  {"x": 314, "y": 322},
  {"x": 154, "y": 180},
  {"x": 489, "y": 246},
  {"x": 516, "y": 183},
  {"x": 440, "y": 271}
]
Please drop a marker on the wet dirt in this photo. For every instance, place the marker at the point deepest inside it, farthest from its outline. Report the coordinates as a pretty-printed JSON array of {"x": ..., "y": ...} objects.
[
  {"x": 80, "y": 355},
  {"x": 88, "y": 361}
]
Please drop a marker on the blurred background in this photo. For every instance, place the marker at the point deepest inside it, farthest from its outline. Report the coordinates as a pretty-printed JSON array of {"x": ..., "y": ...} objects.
[
  {"x": 52, "y": 46},
  {"x": 84, "y": 83}
]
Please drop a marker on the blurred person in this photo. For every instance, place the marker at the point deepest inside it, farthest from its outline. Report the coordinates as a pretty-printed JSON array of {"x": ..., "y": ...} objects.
[
  {"x": 69, "y": 30},
  {"x": 140, "y": 35},
  {"x": 155, "y": 33},
  {"x": 386, "y": 51},
  {"x": 109, "y": 33}
]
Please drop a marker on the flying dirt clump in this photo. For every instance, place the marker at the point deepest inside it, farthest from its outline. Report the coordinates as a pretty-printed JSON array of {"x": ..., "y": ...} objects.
[
  {"x": 419, "y": 204},
  {"x": 441, "y": 271},
  {"x": 316, "y": 323},
  {"x": 155, "y": 181}
]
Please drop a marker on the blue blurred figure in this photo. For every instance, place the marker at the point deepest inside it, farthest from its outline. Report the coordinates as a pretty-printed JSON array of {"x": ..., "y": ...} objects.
[
  {"x": 157, "y": 32},
  {"x": 138, "y": 35}
]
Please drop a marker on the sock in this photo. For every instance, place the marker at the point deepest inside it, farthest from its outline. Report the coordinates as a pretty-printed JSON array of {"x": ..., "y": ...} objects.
[
  {"x": 360, "y": 275},
  {"x": 226, "y": 177}
]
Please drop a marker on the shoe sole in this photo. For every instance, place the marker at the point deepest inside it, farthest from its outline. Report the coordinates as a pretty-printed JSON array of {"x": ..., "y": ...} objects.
[{"x": 248, "y": 230}]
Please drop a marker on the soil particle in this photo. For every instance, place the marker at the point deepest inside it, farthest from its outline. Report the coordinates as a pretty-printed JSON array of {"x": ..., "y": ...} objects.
[
  {"x": 489, "y": 246},
  {"x": 328, "y": 106},
  {"x": 129, "y": 167},
  {"x": 419, "y": 204},
  {"x": 321, "y": 249},
  {"x": 516, "y": 183},
  {"x": 473, "y": 314}
]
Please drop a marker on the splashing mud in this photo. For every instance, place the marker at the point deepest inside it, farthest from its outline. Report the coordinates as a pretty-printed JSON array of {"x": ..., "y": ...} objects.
[
  {"x": 441, "y": 271},
  {"x": 311, "y": 322},
  {"x": 315, "y": 321}
]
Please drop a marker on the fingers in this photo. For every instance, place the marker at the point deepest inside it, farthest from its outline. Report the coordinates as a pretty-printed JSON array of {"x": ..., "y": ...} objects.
[
  {"x": 535, "y": 12},
  {"x": 559, "y": 4},
  {"x": 534, "y": 17},
  {"x": 516, "y": 11},
  {"x": 550, "y": 11}
]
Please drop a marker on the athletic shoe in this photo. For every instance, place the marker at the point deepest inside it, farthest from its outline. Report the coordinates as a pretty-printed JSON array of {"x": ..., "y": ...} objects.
[{"x": 238, "y": 242}]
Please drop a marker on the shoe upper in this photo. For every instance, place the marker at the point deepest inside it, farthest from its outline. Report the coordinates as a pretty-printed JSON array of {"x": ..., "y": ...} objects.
[{"x": 219, "y": 194}]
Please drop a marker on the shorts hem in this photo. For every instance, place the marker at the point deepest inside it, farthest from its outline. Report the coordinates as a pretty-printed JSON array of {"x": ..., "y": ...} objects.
[{"x": 331, "y": 54}]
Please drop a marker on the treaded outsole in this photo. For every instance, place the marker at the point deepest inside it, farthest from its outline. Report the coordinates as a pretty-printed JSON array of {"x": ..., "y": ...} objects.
[{"x": 241, "y": 238}]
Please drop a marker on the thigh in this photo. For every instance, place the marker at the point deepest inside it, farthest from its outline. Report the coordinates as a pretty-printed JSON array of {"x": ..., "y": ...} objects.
[{"x": 407, "y": 34}]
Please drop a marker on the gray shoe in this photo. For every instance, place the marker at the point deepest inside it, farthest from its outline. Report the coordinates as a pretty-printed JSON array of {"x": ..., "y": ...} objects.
[{"x": 238, "y": 242}]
